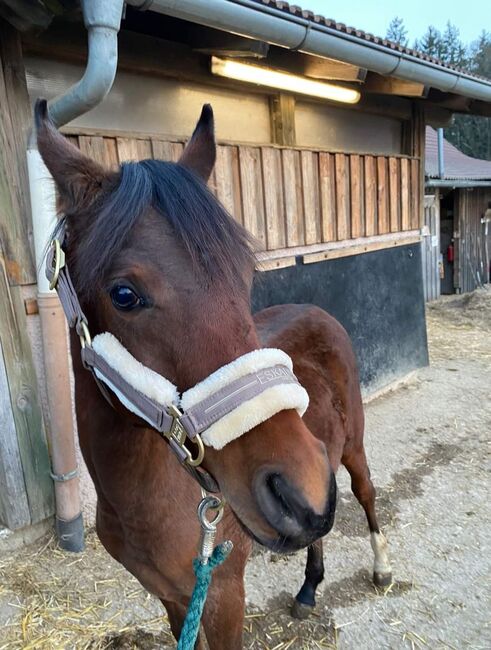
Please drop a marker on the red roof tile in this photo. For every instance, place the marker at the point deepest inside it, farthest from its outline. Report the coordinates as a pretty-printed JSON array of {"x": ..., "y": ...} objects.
[{"x": 457, "y": 166}]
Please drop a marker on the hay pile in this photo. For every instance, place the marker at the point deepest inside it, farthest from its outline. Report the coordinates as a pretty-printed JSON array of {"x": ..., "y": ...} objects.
[
  {"x": 52, "y": 600},
  {"x": 459, "y": 327}
]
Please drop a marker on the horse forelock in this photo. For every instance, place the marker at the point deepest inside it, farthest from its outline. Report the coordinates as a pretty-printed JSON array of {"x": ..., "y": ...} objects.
[{"x": 217, "y": 245}]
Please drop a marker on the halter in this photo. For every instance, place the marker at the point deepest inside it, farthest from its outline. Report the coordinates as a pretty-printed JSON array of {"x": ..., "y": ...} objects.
[{"x": 228, "y": 403}]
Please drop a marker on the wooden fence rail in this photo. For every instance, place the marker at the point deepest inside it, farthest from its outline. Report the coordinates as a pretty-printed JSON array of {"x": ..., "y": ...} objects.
[{"x": 289, "y": 197}]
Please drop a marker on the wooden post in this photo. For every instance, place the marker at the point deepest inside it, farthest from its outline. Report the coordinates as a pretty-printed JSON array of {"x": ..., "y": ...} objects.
[
  {"x": 282, "y": 111},
  {"x": 23, "y": 446}
]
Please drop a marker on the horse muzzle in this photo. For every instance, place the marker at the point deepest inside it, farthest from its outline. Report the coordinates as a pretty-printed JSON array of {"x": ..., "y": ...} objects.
[{"x": 289, "y": 513}]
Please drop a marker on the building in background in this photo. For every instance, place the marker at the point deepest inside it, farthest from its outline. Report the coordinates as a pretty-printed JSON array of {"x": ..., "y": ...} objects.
[{"x": 457, "y": 242}]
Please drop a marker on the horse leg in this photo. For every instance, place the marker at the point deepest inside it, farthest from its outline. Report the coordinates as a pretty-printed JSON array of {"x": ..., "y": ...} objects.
[
  {"x": 304, "y": 601},
  {"x": 223, "y": 616},
  {"x": 177, "y": 613},
  {"x": 362, "y": 487}
]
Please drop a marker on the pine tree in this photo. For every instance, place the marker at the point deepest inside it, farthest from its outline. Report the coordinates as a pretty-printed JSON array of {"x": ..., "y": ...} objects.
[
  {"x": 431, "y": 43},
  {"x": 397, "y": 32},
  {"x": 472, "y": 133},
  {"x": 453, "y": 50}
]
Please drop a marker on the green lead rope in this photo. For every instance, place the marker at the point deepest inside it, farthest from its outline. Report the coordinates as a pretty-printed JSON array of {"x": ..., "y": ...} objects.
[{"x": 190, "y": 628}]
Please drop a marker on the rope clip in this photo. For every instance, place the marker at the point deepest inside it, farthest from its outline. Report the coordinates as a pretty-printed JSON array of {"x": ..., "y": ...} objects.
[{"x": 208, "y": 526}]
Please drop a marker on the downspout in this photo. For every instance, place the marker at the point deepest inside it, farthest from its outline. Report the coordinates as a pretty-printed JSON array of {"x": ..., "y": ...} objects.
[
  {"x": 264, "y": 22},
  {"x": 441, "y": 160},
  {"x": 102, "y": 20}
]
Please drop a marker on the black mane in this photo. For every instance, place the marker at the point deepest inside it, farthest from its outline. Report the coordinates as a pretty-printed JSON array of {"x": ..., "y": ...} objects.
[{"x": 216, "y": 243}]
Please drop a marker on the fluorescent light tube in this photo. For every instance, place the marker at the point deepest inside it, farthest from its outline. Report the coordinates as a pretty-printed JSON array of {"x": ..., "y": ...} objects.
[{"x": 258, "y": 75}]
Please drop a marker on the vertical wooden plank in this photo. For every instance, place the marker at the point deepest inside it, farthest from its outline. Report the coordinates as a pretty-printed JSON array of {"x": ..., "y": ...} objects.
[
  {"x": 224, "y": 181},
  {"x": 93, "y": 146},
  {"x": 382, "y": 196},
  {"x": 405, "y": 198},
  {"x": 342, "y": 196},
  {"x": 311, "y": 201},
  {"x": 252, "y": 193},
  {"x": 14, "y": 507},
  {"x": 370, "y": 191},
  {"x": 133, "y": 149},
  {"x": 282, "y": 114},
  {"x": 23, "y": 398},
  {"x": 161, "y": 149},
  {"x": 356, "y": 194},
  {"x": 111, "y": 153},
  {"x": 292, "y": 184},
  {"x": 415, "y": 195},
  {"x": 234, "y": 161},
  {"x": 127, "y": 149},
  {"x": 394, "y": 194},
  {"x": 274, "y": 201},
  {"x": 327, "y": 190},
  {"x": 15, "y": 123}
]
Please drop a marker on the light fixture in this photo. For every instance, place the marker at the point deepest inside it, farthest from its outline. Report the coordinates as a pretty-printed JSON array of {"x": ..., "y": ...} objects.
[{"x": 256, "y": 74}]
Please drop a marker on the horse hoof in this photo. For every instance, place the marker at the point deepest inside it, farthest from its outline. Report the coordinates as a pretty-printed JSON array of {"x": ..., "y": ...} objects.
[
  {"x": 382, "y": 579},
  {"x": 301, "y": 610}
]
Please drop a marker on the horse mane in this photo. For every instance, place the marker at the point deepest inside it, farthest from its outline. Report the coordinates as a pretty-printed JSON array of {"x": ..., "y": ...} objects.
[{"x": 217, "y": 244}]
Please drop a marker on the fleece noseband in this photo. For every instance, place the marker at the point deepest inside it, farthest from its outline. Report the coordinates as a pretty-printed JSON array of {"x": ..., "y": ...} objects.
[{"x": 221, "y": 408}]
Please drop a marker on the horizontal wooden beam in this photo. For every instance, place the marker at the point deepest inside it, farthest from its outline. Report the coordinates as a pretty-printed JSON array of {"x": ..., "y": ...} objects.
[
  {"x": 375, "y": 83},
  {"x": 267, "y": 260},
  {"x": 314, "y": 66}
]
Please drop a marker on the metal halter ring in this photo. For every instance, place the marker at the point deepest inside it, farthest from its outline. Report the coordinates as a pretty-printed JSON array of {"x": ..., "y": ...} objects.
[
  {"x": 85, "y": 338},
  {"x": 58, "y": 262},
  {"x": 210, "y": 503}
]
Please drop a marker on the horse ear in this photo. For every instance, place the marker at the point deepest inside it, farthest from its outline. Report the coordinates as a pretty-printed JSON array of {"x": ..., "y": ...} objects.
[
  {"x": 79, "y": 179},
  {"x": 200, "y": 152}
]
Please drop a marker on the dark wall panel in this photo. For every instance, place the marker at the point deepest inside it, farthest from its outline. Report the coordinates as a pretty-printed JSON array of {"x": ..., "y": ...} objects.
[{"x": 377, "y": 297}]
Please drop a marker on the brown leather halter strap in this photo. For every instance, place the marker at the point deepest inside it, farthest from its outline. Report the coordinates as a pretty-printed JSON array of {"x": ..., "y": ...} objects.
[{"x": 173, "y": 425}]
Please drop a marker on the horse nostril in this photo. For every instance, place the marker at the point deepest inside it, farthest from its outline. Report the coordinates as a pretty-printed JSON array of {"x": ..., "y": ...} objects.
[
  {"x": 286, "y": 509},
  {"x": 277, "y": 486}
]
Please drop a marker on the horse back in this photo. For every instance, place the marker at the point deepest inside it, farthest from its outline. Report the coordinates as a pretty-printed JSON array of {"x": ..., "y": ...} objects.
[{"x": 325, "y": 364}]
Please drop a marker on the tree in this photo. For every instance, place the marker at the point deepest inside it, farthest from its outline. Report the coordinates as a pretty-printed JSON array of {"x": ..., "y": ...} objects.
[
  {"x": 431, "y": 43},
  {"x": 453, "y": 50},
  {"x": 397, "y": 32},
  {"x": 471, "y": 133}
]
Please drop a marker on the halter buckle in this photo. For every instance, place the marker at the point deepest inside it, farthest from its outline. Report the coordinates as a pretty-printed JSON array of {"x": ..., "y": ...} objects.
[{"x": 178, "y": 434}]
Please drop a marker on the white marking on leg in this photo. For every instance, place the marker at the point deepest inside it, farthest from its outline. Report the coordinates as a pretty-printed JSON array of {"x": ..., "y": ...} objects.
[{"x": 381, "y": 563}]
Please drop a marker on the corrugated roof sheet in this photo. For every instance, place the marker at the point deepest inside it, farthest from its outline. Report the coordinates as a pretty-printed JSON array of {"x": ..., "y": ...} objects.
[
  {"x": 295, "y": 10},
  {"x": 457, "y": 166}
]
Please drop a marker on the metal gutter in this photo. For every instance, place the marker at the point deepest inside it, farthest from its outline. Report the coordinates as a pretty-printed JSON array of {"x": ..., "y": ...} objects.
[
  {"x": 437, "y": 182},
  {"x": 260, "y": 22}
]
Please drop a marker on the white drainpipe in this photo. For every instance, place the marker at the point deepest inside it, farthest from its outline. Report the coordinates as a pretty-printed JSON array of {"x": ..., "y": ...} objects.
[{"x": 102, "y": 19}]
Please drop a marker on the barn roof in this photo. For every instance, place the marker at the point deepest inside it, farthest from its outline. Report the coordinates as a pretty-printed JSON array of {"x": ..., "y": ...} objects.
[
  {"x": 295, "y": 10},
  {"x": 457, "y": 166}
]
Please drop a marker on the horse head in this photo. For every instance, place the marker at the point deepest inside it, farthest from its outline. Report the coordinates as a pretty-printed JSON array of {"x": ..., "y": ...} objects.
[{"x": 157, "y": 262}]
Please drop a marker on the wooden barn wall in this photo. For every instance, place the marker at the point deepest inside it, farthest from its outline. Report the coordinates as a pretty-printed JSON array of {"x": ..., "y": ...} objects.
[
  {"x": 293, "y": 197},
  {"x": 471, "y": 267},
  {"x": 26, "y": 490}
]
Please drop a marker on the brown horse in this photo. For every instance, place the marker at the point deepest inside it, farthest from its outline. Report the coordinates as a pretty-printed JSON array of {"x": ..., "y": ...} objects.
[{"x": 158, "y": 262}]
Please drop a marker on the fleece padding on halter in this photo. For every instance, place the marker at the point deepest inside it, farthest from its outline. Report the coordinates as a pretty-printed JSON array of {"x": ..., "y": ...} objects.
[
  {"x": 252, "y": 412},
  {"x": 271, "y": 368}
]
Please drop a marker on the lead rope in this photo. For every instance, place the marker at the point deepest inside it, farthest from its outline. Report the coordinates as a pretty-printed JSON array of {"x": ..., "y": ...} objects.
[{"x": 203, "y": 566}]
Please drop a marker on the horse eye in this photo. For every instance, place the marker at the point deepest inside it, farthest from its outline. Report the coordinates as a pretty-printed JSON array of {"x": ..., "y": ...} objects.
[{"x": 124, "y": 298}]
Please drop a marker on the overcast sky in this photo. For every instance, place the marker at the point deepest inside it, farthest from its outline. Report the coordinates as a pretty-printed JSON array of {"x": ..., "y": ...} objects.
[{"x": 470, "y": 16}]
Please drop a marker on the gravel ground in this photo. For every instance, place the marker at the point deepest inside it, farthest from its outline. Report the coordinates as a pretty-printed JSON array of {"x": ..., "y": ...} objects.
[{"x": 428, "y": 447}]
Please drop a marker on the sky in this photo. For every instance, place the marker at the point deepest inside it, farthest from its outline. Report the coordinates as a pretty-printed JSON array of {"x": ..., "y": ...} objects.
[{"x": 470, "y": 16}]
